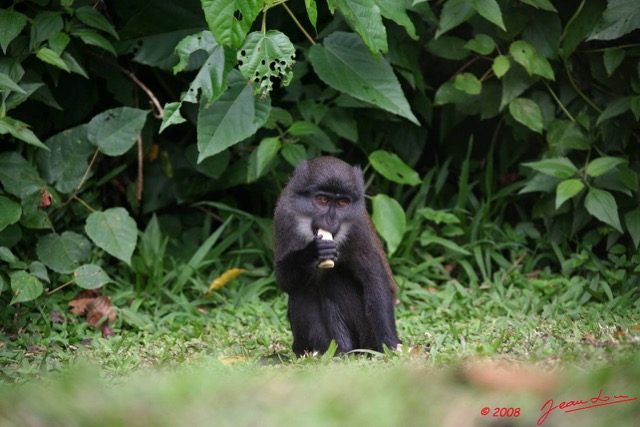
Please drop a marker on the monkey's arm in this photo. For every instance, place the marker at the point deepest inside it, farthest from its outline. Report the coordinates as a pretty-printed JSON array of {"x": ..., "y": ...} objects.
[{"x": 295, "y": 268}]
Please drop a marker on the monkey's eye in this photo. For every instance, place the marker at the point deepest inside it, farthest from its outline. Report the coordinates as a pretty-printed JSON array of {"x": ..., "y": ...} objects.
[
  {"x": 323, "y": 200},
  {"x": 342, "y": 203}
]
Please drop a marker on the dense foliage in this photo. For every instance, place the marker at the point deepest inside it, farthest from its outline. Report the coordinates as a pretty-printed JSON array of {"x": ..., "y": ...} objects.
[{"x": 502, "y": 135}]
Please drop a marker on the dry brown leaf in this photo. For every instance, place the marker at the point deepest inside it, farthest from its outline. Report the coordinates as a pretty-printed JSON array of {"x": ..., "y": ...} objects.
[{"x": 98, "y": 308}]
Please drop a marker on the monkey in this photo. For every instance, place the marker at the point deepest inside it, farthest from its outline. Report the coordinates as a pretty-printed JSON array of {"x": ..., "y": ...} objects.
[{"x": 353, "y": 302}]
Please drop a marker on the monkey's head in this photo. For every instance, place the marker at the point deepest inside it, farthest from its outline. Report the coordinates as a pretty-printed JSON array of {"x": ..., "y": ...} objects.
[{"x": 326, "y": 193}]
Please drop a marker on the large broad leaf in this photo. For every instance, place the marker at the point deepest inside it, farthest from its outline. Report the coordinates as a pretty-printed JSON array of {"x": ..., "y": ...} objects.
[
  {"x": 114, "y": 231},
  {"x": 389, "y": 219},
  {"x": 231, "y": 20},
  {"x": 10, "y": 212},
  {"x": 11, "y": 24},
  {"x": 115, "y": 131},
  {"x": 365, "y": 18},
  {"x": 345, "y": 64},
  {"x": 90, "y": 276},
  {"x": 211, "y": 80},
  {"x": 64, "y": 252},
  {"x": 567, "y": 189},
  {"x": 25, "y": 287},
  {"x": 602, "y": 205},
  {"x": 265, "y": 58},
  {"x": 527, "y": 112},
  {"x": 393, "y": 168},
  {"x": 67, "y": 161},
  {"x": 235, "y": 116},
  {"x": 620, "y": 18},
  {"x": 18, "y": 177},
  {"x": 560, "y": 167}
]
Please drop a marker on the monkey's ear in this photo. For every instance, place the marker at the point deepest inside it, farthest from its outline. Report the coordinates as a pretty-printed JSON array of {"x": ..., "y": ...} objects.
[{"x": 357, "y": 172}]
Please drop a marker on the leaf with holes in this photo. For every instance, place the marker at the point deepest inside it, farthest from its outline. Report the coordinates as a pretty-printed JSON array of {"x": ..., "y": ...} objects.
[
  {"x": 231, "y": 20},
  {"x": 265, "y": 58},
  {"x": 114, "y": 231}
]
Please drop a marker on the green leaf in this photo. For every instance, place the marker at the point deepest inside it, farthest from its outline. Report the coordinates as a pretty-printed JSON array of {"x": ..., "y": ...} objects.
[
  {"x": 454, "y": 13},
  {"x": 527, "y": 112},
  {"x": 7, "y": 256},
  {"x": 566, "y": 190},
  {"x": 429, "y": 239},
  {"x": 620, "y": 18},
  {"x": 389, "y": 219},
  {"x": 64, "y": 252},
  {"x": 7, "y": 84},
  {"x": 73, "y": 65},
  {"x": 25, "y": 287},
  {"x": 489, "y": 10},
  {"x": 312, "y": 135},
  {"x": 634, "y": 104},
  {"x": 482, "y": 44},
  {"x": 393, "y": 168},
  {"x": 18, "y": 177},
  {"x": 312, "y": 12},
  {"x": 602, "y": 165},
  {"x": 396, "y": 11},
  {"x": 612, "y": 59},
  {"x": 265, "y": 57},
  {"x": 19, "y": 130},
  {"x": 91, "y": 276},
  {"x": 211, "y": 79},
  {"x": 58, "y": 42},
  {"x": 94, "y": 39},
  {"x": 66, "y": 163},
  {"x": 44, "y": 25},
  {"x": 514, "y": 83},
  {"x": 602, "y": 205},
  {"x": 448, "y": 47},
  {"x": 364, "y": 17},
  {"x": 235, "y": 116},
  {"x": 632, "y": 221},
  {"x": 171, "y": 115},
  {"x": 293, "y": 153},
  {"x": 500, "y": 65},
  {"x": 10, "y": 212},
  {"x": 345, "y": 64},
  {"x": 448, "y": 94},
  {"x": 262, "y": 157},
  {"x": 560, "y": 167},
  {"x": 91, "y": 17},
  {"x": 468, "y": 83},
  {"x": 11, "y": 24},
  {"x": 541, "y": 4},
  {"x": 614, "y": 109},
  {"x": 231, "y": 20},
  {"x": 114, "y": 231},
  {"x": 525, "y": 54},
  {"x": 115, "y": 131},
  {"x": 564, "y": 135},
  {"x": 50, "y": 57}
]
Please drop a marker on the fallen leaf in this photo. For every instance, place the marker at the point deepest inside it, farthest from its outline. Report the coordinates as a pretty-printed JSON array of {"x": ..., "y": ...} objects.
[
  {"x": 225, "y": 278},
  {"x": 99, "y": 308}
]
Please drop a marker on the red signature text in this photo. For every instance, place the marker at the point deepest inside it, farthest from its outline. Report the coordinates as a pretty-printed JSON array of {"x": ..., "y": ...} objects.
[{"x": 578, "y": 405}]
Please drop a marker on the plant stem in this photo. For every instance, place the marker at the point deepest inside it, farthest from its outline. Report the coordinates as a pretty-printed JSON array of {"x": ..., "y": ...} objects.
[
  {"x": 560, "y": 104},
  {"x": 299, "y": 25}
]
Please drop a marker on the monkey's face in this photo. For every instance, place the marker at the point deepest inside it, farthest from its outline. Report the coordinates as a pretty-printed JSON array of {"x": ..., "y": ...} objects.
[{"x": 329, "y": 194}]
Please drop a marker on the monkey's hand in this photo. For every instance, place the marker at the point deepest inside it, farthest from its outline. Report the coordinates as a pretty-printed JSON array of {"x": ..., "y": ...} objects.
[{"x": 327, "y": 249}]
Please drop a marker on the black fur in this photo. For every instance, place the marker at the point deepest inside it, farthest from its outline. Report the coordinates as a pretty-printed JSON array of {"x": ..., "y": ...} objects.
[{"x": 352, "y": 303}]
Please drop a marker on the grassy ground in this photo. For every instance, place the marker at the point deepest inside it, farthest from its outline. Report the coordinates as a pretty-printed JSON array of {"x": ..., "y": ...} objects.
[{"x": 225, "y": 360}]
